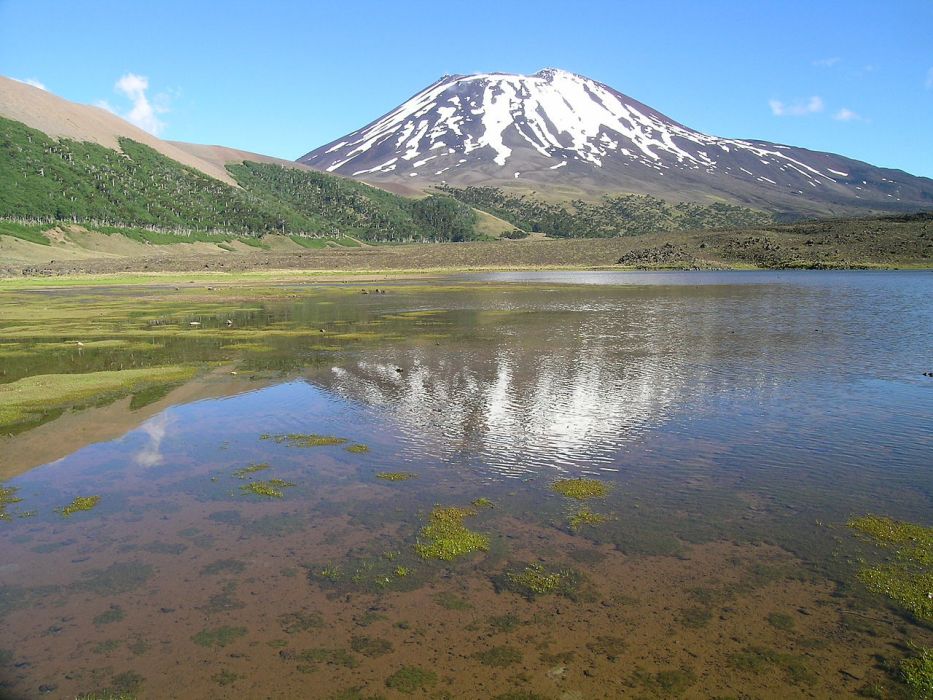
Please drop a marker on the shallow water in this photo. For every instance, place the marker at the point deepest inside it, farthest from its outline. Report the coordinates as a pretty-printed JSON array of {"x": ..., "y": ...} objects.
[{"x": 739, "y": 420}]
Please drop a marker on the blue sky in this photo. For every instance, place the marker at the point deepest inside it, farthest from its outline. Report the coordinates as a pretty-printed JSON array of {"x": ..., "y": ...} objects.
[{"x": 282, "y": 78}]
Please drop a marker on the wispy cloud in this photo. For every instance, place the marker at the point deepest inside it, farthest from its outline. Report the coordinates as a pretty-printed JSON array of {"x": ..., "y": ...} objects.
[
  {"x": 31, "y": 81},
  {"x": 928, "y": 84},
  {"x": 797, "y": 108},
  {"x": 826, "y": 62},
  {"x": 143, "y": 112},
  {"x": 847, "y": 115}
]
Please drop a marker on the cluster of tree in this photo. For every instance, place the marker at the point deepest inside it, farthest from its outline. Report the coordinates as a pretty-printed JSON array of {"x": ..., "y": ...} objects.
[
  {"x": 615, "y": 215},
  {"x": 49, "y": 180}
]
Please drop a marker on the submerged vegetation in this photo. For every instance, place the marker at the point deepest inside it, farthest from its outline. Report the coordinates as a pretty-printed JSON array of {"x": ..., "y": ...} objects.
[
  {"x": 245, "y": 472},
  {"x": 304, "y": 440},
  {"x": 584, "y": 516},
  {"x": 445, "y": 536},
  {"x": 411, "y": 679},
  {"x": 535, "y": 580},
  {"x": 79, "y": 504},
  {"x": 581, "y": 489},
  {"x": 218, "y": 637},
  {"x": 917, "y": 672},
  {"x": 908, "y": 577},
  {"x": 395, "y": 476},
  {"x": 271, "y": 488},
  {"x": 7, "y": 497}
]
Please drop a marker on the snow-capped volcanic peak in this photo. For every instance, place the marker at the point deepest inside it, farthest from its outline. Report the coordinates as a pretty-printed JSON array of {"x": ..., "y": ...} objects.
[{"x": 554, "y": 124}]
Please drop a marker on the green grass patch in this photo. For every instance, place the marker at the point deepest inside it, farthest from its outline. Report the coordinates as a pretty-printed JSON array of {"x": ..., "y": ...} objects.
[{"x": 26, "y": 232}]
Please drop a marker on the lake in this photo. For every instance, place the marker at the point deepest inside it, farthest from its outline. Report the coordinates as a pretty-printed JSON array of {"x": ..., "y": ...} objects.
[{"x": 514, "y": 485}]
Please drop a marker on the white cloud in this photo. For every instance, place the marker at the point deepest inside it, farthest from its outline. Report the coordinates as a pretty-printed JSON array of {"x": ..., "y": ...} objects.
[
  {"x": 31, "y": 81},
  {"x": 929, "y": 81},
  {"x": 143, "y": 113},
  {"x": 798, "y": 108},
  {"x": 827, "y": 62},
  {"x": 847, "y": 115}
]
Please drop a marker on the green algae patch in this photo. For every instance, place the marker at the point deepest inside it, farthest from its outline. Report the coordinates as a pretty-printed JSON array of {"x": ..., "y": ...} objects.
[
  {"x": 446, "y": 537},
  {"x": 911, "y": 542},
  {"x": 81, "y": 503},
  {"x": 580, "y": 489},
  {"x": 245, "y": 472},
  {"x": 29, "y": 401},
  {"x": 7, "y": 498},
  {"x": 917, "y": 673},
  {"x": 911, "y": 589},
  {"x": 268, "y": 489},
  {"x": 908, "y": 578},
  {"x": 585, "y": 517},
  {"x": 536, "y": 580},
  {"x": 357, "y": 449},
  {"x": 395, "y": 476},
  {"x": 411, "y": 679},
  {"x": 482, "y": 502},
  {"x": 218, "y": 637},
  {"x": 304, "y": 439}
]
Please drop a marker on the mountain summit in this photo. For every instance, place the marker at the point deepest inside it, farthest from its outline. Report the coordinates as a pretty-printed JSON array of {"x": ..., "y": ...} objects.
[{"x": 557, "y": 129}]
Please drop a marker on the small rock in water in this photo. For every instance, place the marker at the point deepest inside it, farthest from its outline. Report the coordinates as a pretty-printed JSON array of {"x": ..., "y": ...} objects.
[{"x": 47, "y": 688}]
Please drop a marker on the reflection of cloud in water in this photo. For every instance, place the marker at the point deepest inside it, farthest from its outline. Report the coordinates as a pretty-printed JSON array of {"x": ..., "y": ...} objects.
[
  {"x": 155, "y": 429},
  {"x": 518, "y": 409}
]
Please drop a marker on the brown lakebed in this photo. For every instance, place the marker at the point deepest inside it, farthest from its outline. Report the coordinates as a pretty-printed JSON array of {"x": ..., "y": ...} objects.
[{"x": 736, "y": 424}]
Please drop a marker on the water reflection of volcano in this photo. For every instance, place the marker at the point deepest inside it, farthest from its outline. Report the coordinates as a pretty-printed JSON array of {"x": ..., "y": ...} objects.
[{"x": 516, "y": 403}]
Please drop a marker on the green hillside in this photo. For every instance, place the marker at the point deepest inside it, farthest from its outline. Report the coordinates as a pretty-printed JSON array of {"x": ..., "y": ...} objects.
[
  {"x": 616, "y": 215},
  {"x": 47, "y": 180}
]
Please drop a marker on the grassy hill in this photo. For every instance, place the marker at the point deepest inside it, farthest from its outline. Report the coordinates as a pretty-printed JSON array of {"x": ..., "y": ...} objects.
[{"x": 45, "y": 180}]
